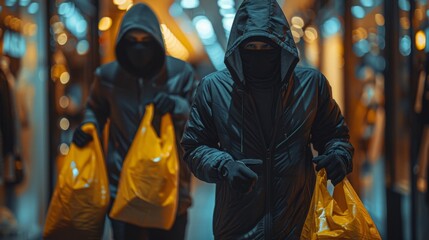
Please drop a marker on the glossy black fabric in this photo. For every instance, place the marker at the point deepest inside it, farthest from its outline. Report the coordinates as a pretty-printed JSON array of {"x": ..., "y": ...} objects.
[
  {"x": 261, "y": 68},
  {"x": 121, "y": 97},
  {"x": 223, "y": 127},
  {"x": 264, "y": 99}
]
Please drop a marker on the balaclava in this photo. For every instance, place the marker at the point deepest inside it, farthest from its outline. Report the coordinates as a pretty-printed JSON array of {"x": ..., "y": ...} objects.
[
  {"x": 143, "y": 56},
  {"x": 145, "y": 59},
  {"x": 261, "y": 68}
]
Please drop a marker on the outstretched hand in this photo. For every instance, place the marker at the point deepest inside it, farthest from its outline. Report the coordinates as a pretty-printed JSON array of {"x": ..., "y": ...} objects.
[{"x": 239, "y": 176}]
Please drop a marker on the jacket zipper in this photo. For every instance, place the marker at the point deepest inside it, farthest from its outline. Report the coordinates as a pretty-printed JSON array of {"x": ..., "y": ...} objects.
[
  {"x": 269, "y": 157},
  {"x": 268, "y": 215},
  {"x": 140, "y": 106},
  {"x": 268, "y": 221}
]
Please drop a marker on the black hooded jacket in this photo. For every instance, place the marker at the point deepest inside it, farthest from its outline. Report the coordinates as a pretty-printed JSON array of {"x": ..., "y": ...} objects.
[
  {"x": 120, "y": 96},
  {"x": 224, "y": 126}
]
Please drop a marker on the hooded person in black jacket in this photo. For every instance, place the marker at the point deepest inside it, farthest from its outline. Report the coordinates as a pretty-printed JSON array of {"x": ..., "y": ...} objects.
[
  {"x": 251, "y": 126},
  {"x": 142, "y": 74}
]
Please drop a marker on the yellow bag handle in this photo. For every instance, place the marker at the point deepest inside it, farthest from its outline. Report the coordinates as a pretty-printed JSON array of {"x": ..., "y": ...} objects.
[
  {"x": 92, "y": 130},
  {"x": 148, "y": 117}
]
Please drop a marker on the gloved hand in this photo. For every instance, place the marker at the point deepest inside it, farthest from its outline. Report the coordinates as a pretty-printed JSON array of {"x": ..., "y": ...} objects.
[
  {"x": 81, "y": 138},
  {"x": 240, "y": 177},
  {"x": 163, "y": 103},
  {"x": 334, "y": 165}
]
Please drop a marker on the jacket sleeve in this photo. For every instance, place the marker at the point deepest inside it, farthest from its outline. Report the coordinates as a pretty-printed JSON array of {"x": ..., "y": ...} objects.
[
  {"x": 200, "y": 141},
  {"x": 97, "y": 107},
  {"x": 330, "y": 134}
]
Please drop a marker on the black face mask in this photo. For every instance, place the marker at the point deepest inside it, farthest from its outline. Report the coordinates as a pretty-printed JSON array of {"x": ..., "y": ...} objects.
[
  {"x": 261, "y": 67},
  {"x": 140, "y": 54}
]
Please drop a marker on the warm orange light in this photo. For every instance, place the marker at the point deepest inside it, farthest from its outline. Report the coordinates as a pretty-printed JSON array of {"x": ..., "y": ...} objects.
[
  {"x": 310, "y": 34},
  {"x": 57, "y": 70},
  {"x": 64, "y": 101},
  {"x": 420, "y": 40},
  {"x": 58, "y": 27},
  {"x": 405, "y": 22},
  {"x": 298, "y": 22},
  {"x": 29, "y": 29},
  {"x": 119, "y": 2},
  {"x": 298, "y": 30},
  {"x": 419, "y": 14},
  {"x": 62, "y": 39},
  {"x": 104, "y": 24},
  {"x": 7, "y": 20},
  {"x": 359, "y": 34},
  {"x": 64, "y": 149},
  {"x": 64, "y": 77},
  {"x": 379, "y": 19},
  {"x": 64, "y": 124},
  {"x": 174, "y": 47},
  {"x": 125, "y": 5},
  {"x": 32, "y": 29}
]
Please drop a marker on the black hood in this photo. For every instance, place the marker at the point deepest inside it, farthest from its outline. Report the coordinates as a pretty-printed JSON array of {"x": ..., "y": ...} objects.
[
  {"x": 263, "y": 18},
  {"x": 140, "y": 17}
]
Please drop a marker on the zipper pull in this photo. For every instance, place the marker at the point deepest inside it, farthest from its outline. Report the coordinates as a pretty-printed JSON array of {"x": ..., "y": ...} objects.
[{"x": 268, "y": 156}]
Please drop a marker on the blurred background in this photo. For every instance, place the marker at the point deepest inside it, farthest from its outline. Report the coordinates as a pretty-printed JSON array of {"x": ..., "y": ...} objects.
[{"x": 374, "y": 53}]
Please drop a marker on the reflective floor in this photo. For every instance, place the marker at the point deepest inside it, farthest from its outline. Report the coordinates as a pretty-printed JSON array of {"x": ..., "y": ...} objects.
[{"x": 201, "y": 213}]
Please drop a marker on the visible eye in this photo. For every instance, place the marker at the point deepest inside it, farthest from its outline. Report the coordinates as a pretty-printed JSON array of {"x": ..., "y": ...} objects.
[
  {"x": 250, "y": 46},
  {"x": 146, "y": 39},
  {"x": 130, "y": 39},
  {"x": 267, "y": 46}
]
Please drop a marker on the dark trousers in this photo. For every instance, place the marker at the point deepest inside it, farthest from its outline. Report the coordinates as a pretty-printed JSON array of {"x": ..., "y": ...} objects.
[{"x": 126, "y": 231}]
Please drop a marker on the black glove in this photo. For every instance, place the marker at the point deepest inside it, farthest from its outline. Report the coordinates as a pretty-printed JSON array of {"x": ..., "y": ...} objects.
[
  {"x": 334, "y": 165},
  {"x": 81, "y": 138},
  {"x": 240, "y": 177},
  {"x": 163, "y": 103}
]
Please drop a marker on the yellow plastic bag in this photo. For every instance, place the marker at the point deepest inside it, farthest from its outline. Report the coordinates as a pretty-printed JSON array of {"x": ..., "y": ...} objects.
[
  {"x": 79, "y": 204},
  {"x": 148, "y": 186},
  {"x": 341, "y": 216}
]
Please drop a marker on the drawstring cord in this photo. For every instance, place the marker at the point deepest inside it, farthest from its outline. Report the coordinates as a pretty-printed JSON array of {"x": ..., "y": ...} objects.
[{"x": 242, "y": 122}]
